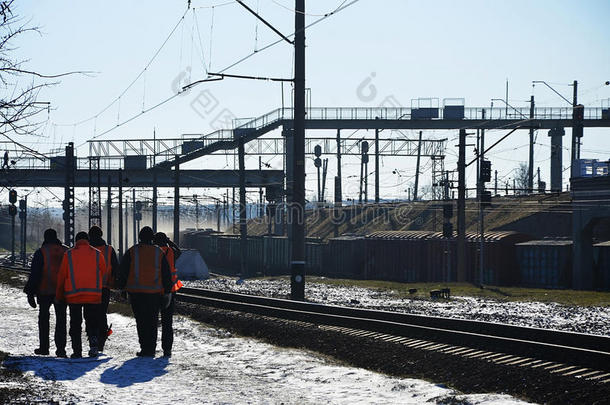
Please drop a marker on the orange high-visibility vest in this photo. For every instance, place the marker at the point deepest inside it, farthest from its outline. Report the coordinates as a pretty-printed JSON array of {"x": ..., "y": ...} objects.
[
  {"x": 52, "y": 255},
  {"x": 169, "y": 254},
  {"x": 82, "y": 271},
  {"x": 145, "y": 269},
  {"x": 108, "y": 281}
]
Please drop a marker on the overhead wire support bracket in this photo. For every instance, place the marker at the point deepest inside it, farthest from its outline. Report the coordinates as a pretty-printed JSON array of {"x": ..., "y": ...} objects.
[
  {"x": 188, "y": 86},
  {"x": 284, "y": 37},
  {"x": 272, "y": 79}
]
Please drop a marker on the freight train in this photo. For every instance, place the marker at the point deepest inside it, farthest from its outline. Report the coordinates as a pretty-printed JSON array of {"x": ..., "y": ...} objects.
[{"x": 510, "y": 258}]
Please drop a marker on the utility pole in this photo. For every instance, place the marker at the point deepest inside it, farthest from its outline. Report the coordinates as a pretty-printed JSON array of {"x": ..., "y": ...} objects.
[
  {"x": 577, "y": 130},
  {"x": 109, "y": 213},
  {"x": 530, "y": 169},
  {"x": 134, "y": 215},
  {"x": 69, "y": 195},
  {"x": 261, "y": 208},
  {"x": 233, "y": 210},
  {"x": 243, "y": 230},
  {"x": 218, "y": 216},
  {"x": 376, "y": 164},
  {"x": 196, "y": 211},
  {"x": 338, "y": 193},
  {"x": 417, "y": 167},
  {"x": 23, "y": 214},
  {"x": 481, "y": 204},
  {"x": 120, "y": 213},
  {"x": 461, "y": 208},
  {"x": 154, "y": 190},
  {"x": 177, "y": 202},
  {"x": 126, "y": 221},
  {"x": 297, "y": 209},
  {"x": 154, "y": 201},
  {"x": 324, "y": 171},
  {"x": 496, "y": 182}
]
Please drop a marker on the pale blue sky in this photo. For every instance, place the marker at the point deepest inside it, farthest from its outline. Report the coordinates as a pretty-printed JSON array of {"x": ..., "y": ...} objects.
[{"x": 416, "y": 49}]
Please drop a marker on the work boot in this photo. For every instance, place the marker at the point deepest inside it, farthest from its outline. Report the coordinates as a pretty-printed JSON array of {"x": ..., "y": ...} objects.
[
  {"x": 76, "y": 356},
  {"x": 61, "y": 353},
  {"x": 167, "y": 353},
  {"x": 145, "y": 354},
  {"x": 93, "y": 348},
  {"x": 41, "y": 352}
]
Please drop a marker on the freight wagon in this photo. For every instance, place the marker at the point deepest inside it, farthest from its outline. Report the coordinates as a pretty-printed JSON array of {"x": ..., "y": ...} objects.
[
  {"x": 601, "y": 256},
  {"x": 403, "y": 256},
  {"x": 545, "y": 263}
]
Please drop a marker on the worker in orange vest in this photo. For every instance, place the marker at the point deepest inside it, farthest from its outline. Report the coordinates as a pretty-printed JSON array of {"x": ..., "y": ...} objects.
[
  {"x": 167, "y": 314},
  {"x": 112, "y": 268},
  {"x": 144, "y": 272},
  {"x": 42, "y": 284},
  {"x": 79, "y": 283}
]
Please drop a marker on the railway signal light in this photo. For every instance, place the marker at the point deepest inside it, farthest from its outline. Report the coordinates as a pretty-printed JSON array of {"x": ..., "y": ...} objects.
[
  {"x": 317, "y": 150},
  {"x": 12, "y": 196},
  {"x": 12, "y": 210},
  {"x": 485, "y": 174},
  {"x": 317, "y": 162}
]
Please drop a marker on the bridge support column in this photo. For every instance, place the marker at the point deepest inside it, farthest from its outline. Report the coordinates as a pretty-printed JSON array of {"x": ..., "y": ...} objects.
[{"x": 556, "y": 162}]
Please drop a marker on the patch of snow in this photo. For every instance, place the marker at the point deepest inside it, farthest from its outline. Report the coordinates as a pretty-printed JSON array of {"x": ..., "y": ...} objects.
[
  {"x": 548, "y": 315},
  {"x": 208, "y": 366}
]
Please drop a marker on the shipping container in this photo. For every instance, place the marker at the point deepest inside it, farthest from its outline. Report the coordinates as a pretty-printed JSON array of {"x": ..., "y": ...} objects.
[{"x": 545, "y": 263}]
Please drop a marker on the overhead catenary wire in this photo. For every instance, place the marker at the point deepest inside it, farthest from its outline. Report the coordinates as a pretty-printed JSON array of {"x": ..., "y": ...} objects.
[{"x": 152, "y": 59}]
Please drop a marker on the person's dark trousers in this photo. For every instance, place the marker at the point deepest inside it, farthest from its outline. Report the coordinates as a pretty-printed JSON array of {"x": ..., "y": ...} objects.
[
  {"x": 146, "y": 311},
  {"x": 92, "y": 321},
  {"x": 44, "y": 303},
  {"x": 103, "y": 319},
  {"x": 167, "y": 328}
]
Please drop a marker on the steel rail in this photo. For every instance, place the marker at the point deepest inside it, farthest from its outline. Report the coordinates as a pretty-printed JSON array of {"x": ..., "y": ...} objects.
[{"x": 568, "y": 347}]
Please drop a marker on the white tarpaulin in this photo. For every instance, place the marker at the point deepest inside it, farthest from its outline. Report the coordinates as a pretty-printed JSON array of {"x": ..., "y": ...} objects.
[{"x": 190, "y": 266}]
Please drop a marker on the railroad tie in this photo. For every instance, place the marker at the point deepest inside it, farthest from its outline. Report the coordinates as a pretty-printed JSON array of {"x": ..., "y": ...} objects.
[
  {"x": 599, "y": 377},
  {"x": 518, "y": 362},
  {"x": 561, "y": 370},
  {"x": 543, "y": 364},
  {"x": 575, "y": 372},
  {"x": 506, "y": 356},
  {"x": 512, "y": 359},
  {"x": 552, "y": 367}
]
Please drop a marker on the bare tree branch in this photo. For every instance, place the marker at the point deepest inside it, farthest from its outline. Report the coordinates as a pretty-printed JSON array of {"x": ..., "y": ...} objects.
[{"x": 77, "y": 72}]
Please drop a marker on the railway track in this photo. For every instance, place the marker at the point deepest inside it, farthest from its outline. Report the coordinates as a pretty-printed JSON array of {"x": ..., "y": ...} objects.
[
  {"x": 576, "y": 354},
  {"x": 565, "y": 351}
]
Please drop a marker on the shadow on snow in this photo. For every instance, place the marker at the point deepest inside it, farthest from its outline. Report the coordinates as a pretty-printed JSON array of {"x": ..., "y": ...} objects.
[
  {"x": 136, "y": 370},
  {"x": 56, "y": 369}
]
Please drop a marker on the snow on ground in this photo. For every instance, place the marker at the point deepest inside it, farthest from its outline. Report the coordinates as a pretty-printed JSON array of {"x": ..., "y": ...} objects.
[
  {"x": 208, "y": 366},
  {"x": 535, "y": 314}
]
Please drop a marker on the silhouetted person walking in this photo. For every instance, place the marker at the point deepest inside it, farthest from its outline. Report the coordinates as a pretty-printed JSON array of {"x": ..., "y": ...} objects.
[
  {"x": 144, "y": 272},
  {"x": 112, "y": 269},
  {"x": 167, "y": 314},
  {"x": 79, "y": 283},
  {"x": 42, "y": 284},
  {"x": 5, "y": 161}
]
